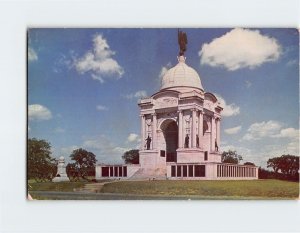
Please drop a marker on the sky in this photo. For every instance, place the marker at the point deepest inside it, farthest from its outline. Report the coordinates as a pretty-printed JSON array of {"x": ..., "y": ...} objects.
[{"x": 84, "y": 86}]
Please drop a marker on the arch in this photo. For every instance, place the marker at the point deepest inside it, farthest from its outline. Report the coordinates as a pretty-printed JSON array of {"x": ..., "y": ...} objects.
[
  {"x": 169, "y": 128},
  {"x": 165, "y": 123},
  {"x": 210, "y": 96}
]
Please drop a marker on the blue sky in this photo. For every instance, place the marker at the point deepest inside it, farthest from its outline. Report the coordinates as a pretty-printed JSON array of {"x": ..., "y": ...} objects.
[{"x": 84, "y": 84}]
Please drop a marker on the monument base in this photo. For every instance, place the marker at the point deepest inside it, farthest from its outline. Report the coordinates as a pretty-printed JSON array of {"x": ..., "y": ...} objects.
[{"x": 60, "y": 178}]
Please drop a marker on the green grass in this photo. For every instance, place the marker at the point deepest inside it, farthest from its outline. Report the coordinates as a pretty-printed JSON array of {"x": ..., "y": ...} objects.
[
  {"x": 235, "y": 189},
  {"x": 58, "y": 187}
]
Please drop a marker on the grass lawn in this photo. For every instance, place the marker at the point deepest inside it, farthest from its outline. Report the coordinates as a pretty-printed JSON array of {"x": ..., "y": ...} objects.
[
  {"x": 58, "y": 187},
  {"x": 261, "y": 189}
]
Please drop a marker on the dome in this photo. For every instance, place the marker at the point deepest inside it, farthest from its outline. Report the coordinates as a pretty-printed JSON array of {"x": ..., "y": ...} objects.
[
  {"x": 62, "y": 158},
  {"x": 181, "y": 75}
]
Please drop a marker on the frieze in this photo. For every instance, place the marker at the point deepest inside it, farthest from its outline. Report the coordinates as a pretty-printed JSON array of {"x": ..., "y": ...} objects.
[{"x": 166, "y": 102}]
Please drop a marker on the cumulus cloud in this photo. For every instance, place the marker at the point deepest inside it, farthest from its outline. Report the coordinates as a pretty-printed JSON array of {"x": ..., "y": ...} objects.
[
  {"x": 164, "y": 70},
  {"x": 99, "y": 61},
  {"x": 101, "y": 108},
  {"x": 38, "y": 112},
  {"x": 228, "y": 109},
  {"x": 132, "y": 137},
  {"x": 271, "y": 129},
  {"x": 240, "y": 48},
  {"x": 287, "y": 133},
  {"x": 262, "y": 129},
  {"x": 139, "y": 94},
  {"x": 32, "y": 55},
  {"x": 233, "y": 130}
]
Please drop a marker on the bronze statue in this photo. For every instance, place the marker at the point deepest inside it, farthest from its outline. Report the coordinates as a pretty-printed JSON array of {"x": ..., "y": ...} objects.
[
  {"x": 216, "y": 146},
  {"x": 186, "y": 141},
  {"x": 182, "y": 41},
  {"x": 148, "y": 142}
]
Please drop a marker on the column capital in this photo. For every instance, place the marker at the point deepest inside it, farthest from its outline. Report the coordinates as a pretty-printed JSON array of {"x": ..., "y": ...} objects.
[
  {"x": 142, "y": 115},
  {"x": 194, "y": 109},
  {"x": 179, "y": 111},
  {"x": 154, "y": 114}
]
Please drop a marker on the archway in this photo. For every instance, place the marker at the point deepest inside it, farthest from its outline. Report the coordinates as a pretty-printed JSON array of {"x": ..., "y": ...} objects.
[{"x": 170, "y": 131}]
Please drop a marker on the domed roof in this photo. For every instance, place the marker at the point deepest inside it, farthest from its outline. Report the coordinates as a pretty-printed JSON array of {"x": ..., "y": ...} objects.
[
  {"x": 61, "y": 158},
  {"x": 181, "y": 75}
]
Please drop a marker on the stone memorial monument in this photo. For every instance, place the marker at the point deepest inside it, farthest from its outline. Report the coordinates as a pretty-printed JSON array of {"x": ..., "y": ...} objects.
[{"x": 61, "y": 171}]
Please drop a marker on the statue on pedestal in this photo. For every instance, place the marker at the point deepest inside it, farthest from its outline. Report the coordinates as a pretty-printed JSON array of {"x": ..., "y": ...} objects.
[
  {"x": 61, "y": 171},
  {"x": 216, "y": 146},
  {"x": 186, "y": 141},
  {"x": 148, "y": 142}
]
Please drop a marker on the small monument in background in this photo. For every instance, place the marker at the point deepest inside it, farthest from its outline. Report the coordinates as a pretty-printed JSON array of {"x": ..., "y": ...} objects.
[{"x": 61, "y": 171}]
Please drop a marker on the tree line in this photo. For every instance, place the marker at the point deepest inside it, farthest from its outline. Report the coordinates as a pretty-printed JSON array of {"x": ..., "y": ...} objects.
[{"x": 42, "y": 167}]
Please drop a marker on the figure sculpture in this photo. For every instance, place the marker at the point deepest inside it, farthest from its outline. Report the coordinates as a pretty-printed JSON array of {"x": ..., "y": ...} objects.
[
  {"x": 216, "y": 146},
  {"x": 197, "y": 140},
  {"x": 182, "y": 41},
  {"x": 148, "y": 142},
  {"x": 186, "y": 141}
]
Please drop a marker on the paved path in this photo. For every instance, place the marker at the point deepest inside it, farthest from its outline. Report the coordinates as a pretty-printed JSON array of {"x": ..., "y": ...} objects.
[
  {"x": 105, "y": 196},
  {"x": 118, "y": 196}
]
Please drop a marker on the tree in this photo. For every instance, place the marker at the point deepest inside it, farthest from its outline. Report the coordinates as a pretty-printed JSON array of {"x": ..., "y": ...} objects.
[
  {"x": 84, "y": 164},
  {"x": 249, "y": 164},
  {"x": 131, "y": 157},
  {"x": 41, "y": 166},
  {"x": 231, "y": 156},
  {"x": 286, "y": 164}
]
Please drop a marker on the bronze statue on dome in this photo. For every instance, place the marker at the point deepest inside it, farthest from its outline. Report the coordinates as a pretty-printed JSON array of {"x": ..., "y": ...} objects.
[{"x": 182, "y": 41}]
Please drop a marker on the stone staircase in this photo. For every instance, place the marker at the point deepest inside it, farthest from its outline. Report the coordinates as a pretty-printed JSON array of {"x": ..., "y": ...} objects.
[
  {"x": 146, "y": 174},
  {"x": 92, "y": 187}
]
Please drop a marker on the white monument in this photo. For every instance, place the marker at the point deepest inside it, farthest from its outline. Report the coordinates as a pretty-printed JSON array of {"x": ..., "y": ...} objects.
[
  {"x": 180, "y": 133},
  {"x": 61, "y": 171}
]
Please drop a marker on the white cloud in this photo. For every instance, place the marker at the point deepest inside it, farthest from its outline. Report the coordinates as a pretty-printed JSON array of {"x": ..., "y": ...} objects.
[
  {"x": 38, "y": 112},
  {"x": 132, "y": 137},
  {"x": 101, "y": 108},
  {"x": 240, "y": 48},
  {"x": 233, "y": 130},
  {"x": 228, "y": 109},
  {"x": 164, "y": 70},
  {"x": 32, "y": 55},
  {"x": 139, "y": 94},
  {"x": 99, "y": 62},
  {"x": 271, "y": 129},
  {"x": 287, "y": 133},
  {"x": 263, "y": 129}
]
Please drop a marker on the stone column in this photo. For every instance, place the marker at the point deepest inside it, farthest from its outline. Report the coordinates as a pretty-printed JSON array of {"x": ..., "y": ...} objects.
[
  {"x": 180, "y": 127},
  {"x": 154, "y": 127},
  {"x": 193, "y": 128},
  {"x": 200, "y": 129},
  {"x": 218, "y": 121},
  {"x": 142, "y": 131},
  {"x": 213, "y": 133}
]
